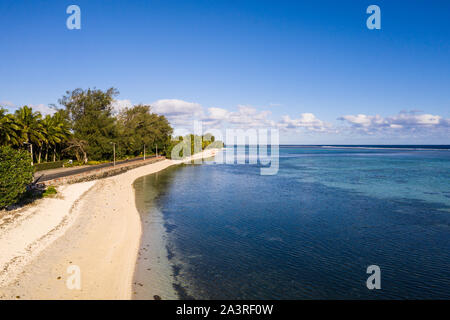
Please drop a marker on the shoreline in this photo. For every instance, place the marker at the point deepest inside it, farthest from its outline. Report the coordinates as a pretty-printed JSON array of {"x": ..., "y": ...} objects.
[{"x": 94, "y": 226}]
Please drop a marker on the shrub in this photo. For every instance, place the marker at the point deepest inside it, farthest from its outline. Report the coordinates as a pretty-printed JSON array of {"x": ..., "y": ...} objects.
[
  {"x": 93, "y": 162},
  {"x": 75, "y": 163},
  {"x": 51, "y": 190},
  {"x": 16, "y": 172},
  {"x": 48, "y": 165}
]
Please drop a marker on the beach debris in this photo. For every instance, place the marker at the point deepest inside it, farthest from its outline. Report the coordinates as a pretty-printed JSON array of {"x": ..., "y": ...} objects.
[{"x": 156, "y": 297}]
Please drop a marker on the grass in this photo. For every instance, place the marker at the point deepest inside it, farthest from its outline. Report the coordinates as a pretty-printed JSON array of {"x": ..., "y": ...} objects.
[{"x": 51, "y": 190}]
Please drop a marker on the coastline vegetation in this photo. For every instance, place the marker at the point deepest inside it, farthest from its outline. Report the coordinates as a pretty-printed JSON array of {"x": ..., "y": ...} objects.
[
  {"x": 191, "y": 144},
  {"x": 50, "y": 191},
  {"x": 85, "y": 129},
  {"x": 16, "y": 174}
]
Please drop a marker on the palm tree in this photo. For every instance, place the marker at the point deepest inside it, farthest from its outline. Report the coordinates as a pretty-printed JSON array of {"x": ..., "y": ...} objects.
[
  {"x": 64, "y": 129},
  {"x": 57, "y": 131},
  {"x": 9, "y": 130},
  {"x": 31, "y": 129},
  {"x": 51, "y": 134}
]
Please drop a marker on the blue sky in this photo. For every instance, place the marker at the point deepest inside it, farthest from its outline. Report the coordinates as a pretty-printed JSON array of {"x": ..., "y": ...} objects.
[{"x": 309, "y": 68}]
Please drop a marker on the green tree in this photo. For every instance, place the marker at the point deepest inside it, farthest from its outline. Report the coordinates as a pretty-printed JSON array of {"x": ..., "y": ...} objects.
[
  {"x": 30, "y": 127},
  {"x": 91, "y": 114},
  {"x": 191, "y": 144},
  {"x": 139, "y": 127},
  {"x": 63, "y": 129},
  {"x": 56, "y": 131},
  {"x": 9, "y": 130}
]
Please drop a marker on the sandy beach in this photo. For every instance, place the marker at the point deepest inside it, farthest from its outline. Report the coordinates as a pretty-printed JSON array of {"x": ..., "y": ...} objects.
[{"x": 91, "y": 227}]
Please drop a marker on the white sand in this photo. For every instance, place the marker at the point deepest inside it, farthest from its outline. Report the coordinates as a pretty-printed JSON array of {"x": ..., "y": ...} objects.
[{"x": 93, "y": 225}]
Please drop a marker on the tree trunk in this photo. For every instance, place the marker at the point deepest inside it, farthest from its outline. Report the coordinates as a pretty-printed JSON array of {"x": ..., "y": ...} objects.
[
  {"x": 46, "y": 154},
  {"x": 54, "y": 154},
  {"x": 31, "y": 147},
  {"x": 39, "y": 155}
]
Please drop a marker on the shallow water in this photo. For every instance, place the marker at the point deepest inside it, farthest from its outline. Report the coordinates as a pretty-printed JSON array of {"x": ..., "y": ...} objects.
[{"x": 310, "y": 231}]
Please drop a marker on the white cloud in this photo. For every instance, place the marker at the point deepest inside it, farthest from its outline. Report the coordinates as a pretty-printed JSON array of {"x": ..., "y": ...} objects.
[
  {"x": 247, "y": 116},
  {"x": 405, "y": 121},
  {"x": 306, "y": 120},
  {"x": 176, "y": 107},
  {"x": 181, "y": 115},
  {"x": 119, "y": 105},
  {"x": 181, "y": 112},
  {"x": 215, "y": 116},
  {"x": 178, "y": 112},
  {"x": 43, "y": 109},
  {"x": 405, "y": 118},
  {"x": 362, "y": 120},
  {"x": 218, "y": 114},
  {"x": 7, "y": 104}
]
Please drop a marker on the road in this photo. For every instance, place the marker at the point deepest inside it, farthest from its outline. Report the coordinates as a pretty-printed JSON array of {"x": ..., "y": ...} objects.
[{"x": 51, "y": 174}]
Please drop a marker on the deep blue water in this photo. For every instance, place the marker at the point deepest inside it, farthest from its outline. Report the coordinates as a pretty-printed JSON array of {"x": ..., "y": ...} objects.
[{"x": 310, "y": 231}]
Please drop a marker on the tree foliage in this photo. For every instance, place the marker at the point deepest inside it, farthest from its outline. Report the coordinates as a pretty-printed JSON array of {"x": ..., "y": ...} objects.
[
  {"x": 27, "y": 130},
  {"x": 86, "y": 127},
  {"x": 139, "y": 127},
  {"x": 91, "y": 114},
  {"x": 181, "y": 147},
  {"x": 56, "y": 132},
  {"x": 9, "y": 129},
  {"x": 16, "y": 173}
]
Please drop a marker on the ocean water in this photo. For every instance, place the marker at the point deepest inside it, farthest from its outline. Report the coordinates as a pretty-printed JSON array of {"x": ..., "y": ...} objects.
[{"x": 309, "y": 232}]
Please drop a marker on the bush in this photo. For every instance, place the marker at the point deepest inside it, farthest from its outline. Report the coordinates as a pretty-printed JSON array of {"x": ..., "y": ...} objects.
[
  {"x": 16, "y": 172},
  {"x": 75, "y": 163},
  {"x": 51, "y": 190},
  {"x": 93, "y": 162},
  {"x": 48, "y": 165}
]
